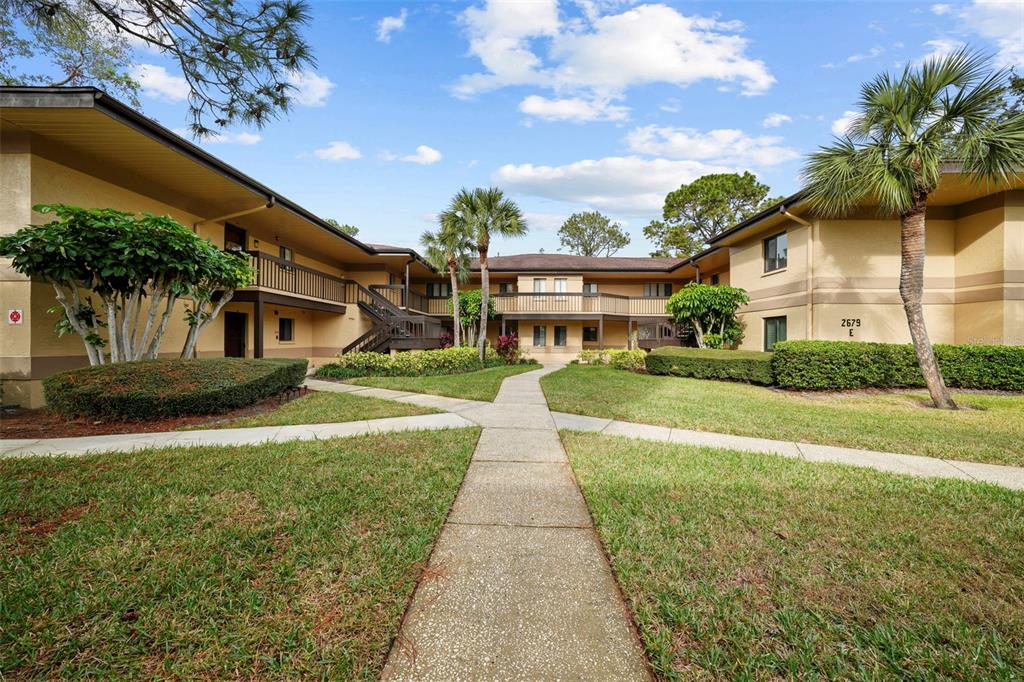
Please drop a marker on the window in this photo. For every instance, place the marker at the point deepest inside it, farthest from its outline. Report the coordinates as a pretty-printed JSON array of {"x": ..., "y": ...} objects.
[
  {"x": 539, "y": 285},
  {"x": 775, "y": 251},
  {"x": 234, "y": 238},
  {"x": 540, "y": 336},
  {"x": 560, "y": 287},
  {"x": 774, "y": 331},
  {"x": 667, "y": 332},
  {"x": 714, "y": 279},
  {"x": 506, "y": 288},
  {"x": 590, "y": 288},
  {"x": 590, "y": 334},
  {"x": 287, "y": 254},
  {"x": 439, "y": 289},
  {"x": 560, "y": 336},
  {"x": 657, "y": 289},
  {"x": 285, "y": 329}
]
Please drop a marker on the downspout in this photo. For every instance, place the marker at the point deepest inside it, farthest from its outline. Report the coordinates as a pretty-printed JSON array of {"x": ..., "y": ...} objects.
[
  {"x": 809, "y": 331},
  {"x": 696, "y": 269},
  {"x": 271, "y": 201}
]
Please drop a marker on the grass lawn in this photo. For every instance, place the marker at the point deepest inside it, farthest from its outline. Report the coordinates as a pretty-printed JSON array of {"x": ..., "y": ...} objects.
[
  {"x": 479, "y": 385},
  {"x": 744, "y": 566},
  {"x": 322, "y": 407},
  {"x": 293, "y": 560},
  {"x": 892, "y": 422}
]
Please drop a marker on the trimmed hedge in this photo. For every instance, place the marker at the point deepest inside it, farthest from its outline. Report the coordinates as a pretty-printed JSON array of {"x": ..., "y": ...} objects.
[
  {"x": 706, "y": 363},
  {"x": 832, "y": 365},
  {"x": 169, "y": 388},
  {"x": 619, "y": 358},
  {"x": 413, "y": 363}
]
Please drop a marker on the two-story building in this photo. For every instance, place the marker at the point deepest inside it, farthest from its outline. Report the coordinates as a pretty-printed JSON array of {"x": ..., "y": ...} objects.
[
  {"x": 320, "y": 292},
  {"x": 317, "y": 292},
  {"x": 815, "y": 278}
]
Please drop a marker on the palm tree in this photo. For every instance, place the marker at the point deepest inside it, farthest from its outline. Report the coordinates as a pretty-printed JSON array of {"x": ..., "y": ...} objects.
[
  {"x": 449, "y": 249},
  {"x": 943, "y": 115},
  {"x": 484, "y": 212}
]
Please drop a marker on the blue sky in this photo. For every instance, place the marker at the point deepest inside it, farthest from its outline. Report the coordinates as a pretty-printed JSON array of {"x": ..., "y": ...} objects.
[{"x": 569, "y": 106}]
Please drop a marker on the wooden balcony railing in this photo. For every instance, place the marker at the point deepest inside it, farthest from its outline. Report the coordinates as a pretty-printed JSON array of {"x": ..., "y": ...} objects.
[
  {"x": 392, "y": 292},
  {"x": 577, "y": 303}
]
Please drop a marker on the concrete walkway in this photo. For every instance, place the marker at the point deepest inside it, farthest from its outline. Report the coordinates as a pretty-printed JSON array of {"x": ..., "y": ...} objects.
[
  {"x": 127, "y": 442},
  {"x": 517, "y": 587},
  {"x": 911, "y": 465}
]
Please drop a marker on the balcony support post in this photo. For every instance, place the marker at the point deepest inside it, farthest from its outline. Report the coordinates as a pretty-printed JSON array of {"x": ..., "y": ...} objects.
[
  {"x": 257, "y": 327},
  {"x": 600, "y": 332}
]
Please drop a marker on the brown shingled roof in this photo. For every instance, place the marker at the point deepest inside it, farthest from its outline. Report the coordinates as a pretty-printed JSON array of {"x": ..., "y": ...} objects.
[{"x": 542, "y": 262}]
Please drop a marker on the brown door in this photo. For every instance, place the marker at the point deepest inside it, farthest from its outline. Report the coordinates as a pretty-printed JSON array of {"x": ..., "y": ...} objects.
[
  {"x": 235, "y": 325},
  {"x": 234, "y": 238}
]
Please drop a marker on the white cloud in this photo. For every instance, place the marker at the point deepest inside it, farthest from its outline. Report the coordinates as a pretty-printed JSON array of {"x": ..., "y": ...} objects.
[
  {"x": 545, "y": 222},
  {"x": 870, "y": 54},
  {"x": 940, "y": 47},
  {"x": 619, "y": 184},
  {"x": 775, "y": 120},
  {"x": 424, "y": 156},
  {"x": 1002, "y": 22},
  {"x": 597, "y": 57},
  {"x": 841, "y": 125},
  {"x": 311, "y": 89},
  {"x": 389, "y": 25},
  {"x": 723, "y": 147},
  {"x": 157, "y": 82},
  {"x": 671, "y": 106},
  {"x": 941, "y": 8},
  {"x": 337, "y": 151},
  {"x": 225, "y": 137},
  {"x": 576, "y": 109}
]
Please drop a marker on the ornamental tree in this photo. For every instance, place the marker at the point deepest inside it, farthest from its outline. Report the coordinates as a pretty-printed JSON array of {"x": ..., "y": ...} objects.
[
  {"x": 137, "y": 267},
  {"x": 470, "y": 306},
  {"x": 711, "y": 311}
]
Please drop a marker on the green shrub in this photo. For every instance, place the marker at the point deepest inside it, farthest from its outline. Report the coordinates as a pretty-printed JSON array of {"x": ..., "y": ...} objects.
[
  {"x": 705, "y": 363},
  {"x": 413, "y": 363},
  {"x": 593, "y": 356},
  {"x": 169, "y": 388},
  {"x": 630, "y": 360},
  {"x": 833, "y": 365}
]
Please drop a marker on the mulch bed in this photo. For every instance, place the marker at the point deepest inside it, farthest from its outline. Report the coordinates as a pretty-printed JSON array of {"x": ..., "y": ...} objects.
[{"x": 42, "y": 423}]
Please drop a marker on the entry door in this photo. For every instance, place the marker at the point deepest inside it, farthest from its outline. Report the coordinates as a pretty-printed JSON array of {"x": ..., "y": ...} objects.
[{"x": 235, "y": 325}]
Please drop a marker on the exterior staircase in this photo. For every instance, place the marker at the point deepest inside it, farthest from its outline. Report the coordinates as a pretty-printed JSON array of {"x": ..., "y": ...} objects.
[{"x": 393, "y": 327}]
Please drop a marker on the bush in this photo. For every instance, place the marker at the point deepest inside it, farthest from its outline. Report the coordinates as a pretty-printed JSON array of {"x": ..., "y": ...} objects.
[
  {"x": 832, "y": 365},
  {"x": 703, "y": 363},
  {"x": 168, "y": 388},
  {"x": 630, "y": 360},
  {"x": 415, "y": 363},
  {"x": 593, "y": 356},
  {"x": 508, "y": 348}
]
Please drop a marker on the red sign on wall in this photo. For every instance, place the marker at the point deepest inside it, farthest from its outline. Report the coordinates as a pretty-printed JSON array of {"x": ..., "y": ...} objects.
[{"x": 14, "y": 317}]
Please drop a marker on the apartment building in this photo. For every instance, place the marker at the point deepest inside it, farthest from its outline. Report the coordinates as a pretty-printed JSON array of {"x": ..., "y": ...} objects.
[
  {"x": 838, "y": 279},
  {"x": 319, "y": 292}
]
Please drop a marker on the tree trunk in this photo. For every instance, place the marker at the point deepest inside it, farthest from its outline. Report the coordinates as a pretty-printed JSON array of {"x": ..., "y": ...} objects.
[
  {"x": 452, "y": 270},
  {"x": 485, "y": 293},
  {"x": 912, "y": 252}
]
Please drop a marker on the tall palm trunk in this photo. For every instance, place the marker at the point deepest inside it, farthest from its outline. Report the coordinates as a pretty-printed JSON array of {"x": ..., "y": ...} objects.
[
  {"x": 453, "y": 267},
  {"x": 485, "y": 294},
  {"x": 912, "y": 241}
]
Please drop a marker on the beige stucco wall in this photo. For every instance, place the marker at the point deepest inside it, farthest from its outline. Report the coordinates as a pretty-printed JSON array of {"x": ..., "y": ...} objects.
[{"x": 32, "y": 350}]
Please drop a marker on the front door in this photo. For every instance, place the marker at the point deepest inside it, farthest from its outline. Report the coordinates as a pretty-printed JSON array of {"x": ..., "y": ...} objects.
[{"x": 235, "y": 325}]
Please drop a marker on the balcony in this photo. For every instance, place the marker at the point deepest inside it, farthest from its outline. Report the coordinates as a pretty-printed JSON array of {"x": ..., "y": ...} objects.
[{"x": 577, "y": 304}]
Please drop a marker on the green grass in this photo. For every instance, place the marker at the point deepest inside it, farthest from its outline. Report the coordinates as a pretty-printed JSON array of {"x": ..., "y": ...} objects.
[
  {"x": 480, "y": 385},
  {"x": 992, "y": 430},
  {"x": 292, "y": 560},
  {"x": 323, "y": 408},
  {"x": 744, "y": 566}
]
